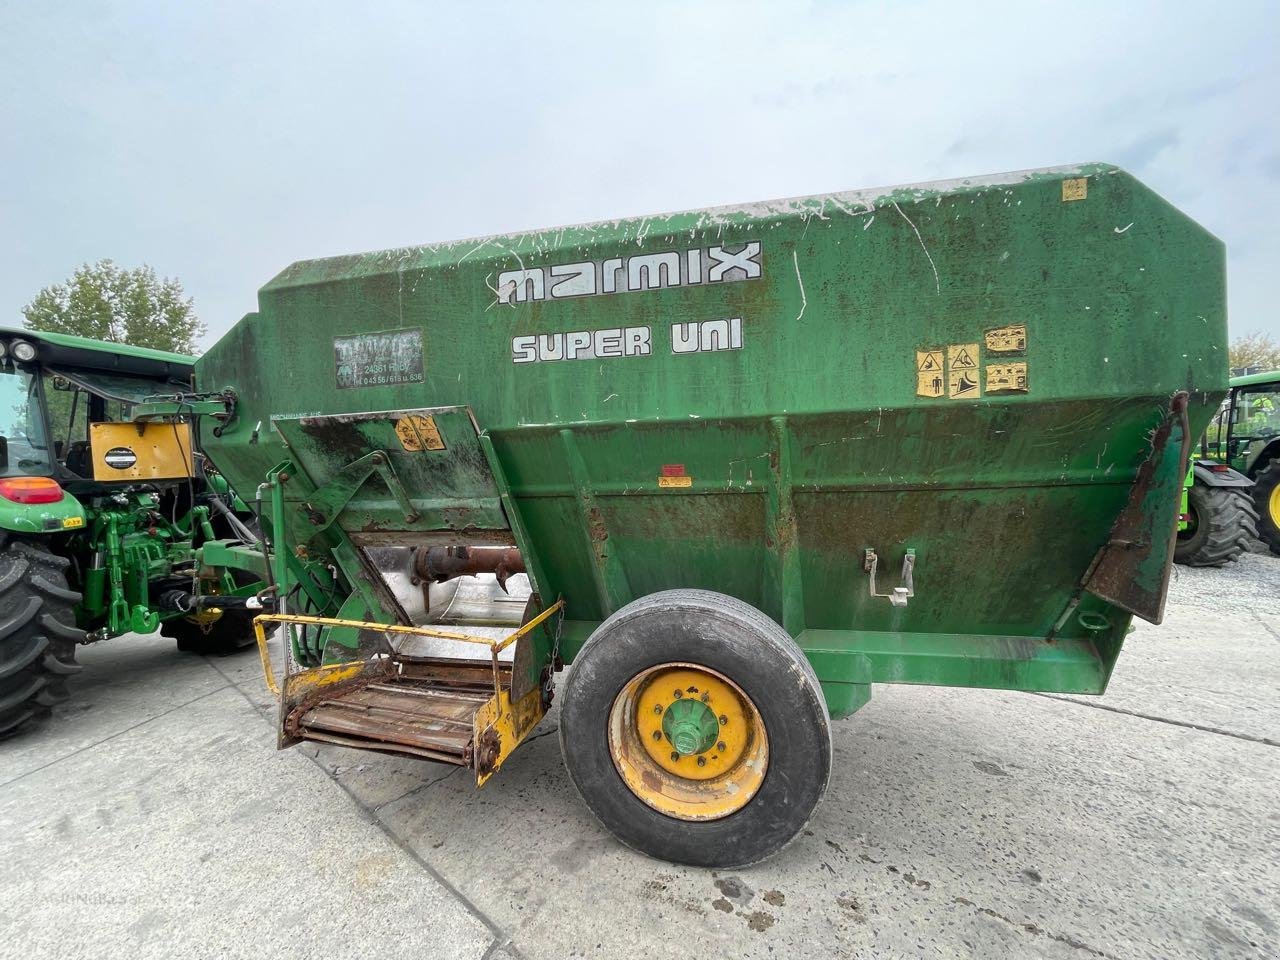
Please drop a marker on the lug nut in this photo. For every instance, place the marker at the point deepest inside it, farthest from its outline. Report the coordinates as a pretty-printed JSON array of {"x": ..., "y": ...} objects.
[
  {"x": 702, "y": 761},
  {"x": 679, "y": 694},
  {"x": 657, "y": 708},
  {"x": 674, "y": 756},
  {"x": 657, "y": 735},
  {"x": 720, "y": 745},
  {"x": 723, "y": 720}
]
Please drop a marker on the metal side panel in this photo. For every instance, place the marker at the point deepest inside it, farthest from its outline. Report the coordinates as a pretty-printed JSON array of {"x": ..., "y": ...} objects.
[{"x": 433, "y": 476}]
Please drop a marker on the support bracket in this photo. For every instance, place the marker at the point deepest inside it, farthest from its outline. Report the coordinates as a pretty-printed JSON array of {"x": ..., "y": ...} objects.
[{"x": 899, "y": 596}]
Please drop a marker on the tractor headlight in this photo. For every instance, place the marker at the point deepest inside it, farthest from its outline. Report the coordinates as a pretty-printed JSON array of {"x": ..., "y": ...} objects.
[{"x": 23, "y": 351}]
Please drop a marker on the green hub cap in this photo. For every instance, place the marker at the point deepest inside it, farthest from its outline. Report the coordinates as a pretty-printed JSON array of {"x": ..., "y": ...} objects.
[{"x": 690, "y": 726}]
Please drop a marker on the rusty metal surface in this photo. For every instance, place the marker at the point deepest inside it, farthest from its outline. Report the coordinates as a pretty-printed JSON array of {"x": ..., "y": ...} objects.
[
  {"x": 1132, "y": 569},
  {"x": 439, "y": 564},
  {"x": 400, "y": 713}
]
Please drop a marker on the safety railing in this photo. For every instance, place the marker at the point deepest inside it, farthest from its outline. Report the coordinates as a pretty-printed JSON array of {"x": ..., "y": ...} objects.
[{"x": 495, "y": 646}]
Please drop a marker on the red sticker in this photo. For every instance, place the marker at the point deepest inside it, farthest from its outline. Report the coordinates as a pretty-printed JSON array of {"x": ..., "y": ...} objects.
[{"x": 673, "y": 469}]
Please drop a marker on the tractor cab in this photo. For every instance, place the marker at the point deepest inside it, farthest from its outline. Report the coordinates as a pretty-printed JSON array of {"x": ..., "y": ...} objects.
[
  {"x": 66, "y": 412},
  {"x": 1233, "y": 486},
  {"x": 1248, "y": 428}
]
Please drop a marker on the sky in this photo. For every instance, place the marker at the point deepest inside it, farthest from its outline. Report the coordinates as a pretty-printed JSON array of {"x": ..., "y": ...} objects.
[{"x": 221, "y": 142}]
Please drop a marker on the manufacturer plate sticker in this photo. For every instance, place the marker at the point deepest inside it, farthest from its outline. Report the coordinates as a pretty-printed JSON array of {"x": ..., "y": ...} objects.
[
  {"x": 675, "y": 481},
  {"x": 381, "y": 359},
  {"x": 120, "y": 458}
]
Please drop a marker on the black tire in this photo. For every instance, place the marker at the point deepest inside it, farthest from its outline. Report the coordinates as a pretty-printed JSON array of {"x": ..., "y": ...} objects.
[
  {"x": 1222, "y": 523},
  {"x": 739, "y": 642},
  {"x": 38, "y": 634},
  {"x": 1264, "y": 482}
]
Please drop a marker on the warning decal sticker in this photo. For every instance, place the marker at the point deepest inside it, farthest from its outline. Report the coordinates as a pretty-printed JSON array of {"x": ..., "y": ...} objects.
[
  {"x": 1076, "y": 188},
  {"x": 673, "y": 475},
  {"x": 418, "y": 433},
  {"x": 1012, "y": 339},
  {"x": 962, "y": 371},
  {"x": 929, "y": 376},
  {"x": 1006, "y": 378}
]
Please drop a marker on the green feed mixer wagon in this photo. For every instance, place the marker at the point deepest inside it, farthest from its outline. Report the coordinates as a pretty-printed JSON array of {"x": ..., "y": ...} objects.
[
  {"x": 752, "y": 461},
  {"x": 109, "y": 523}
]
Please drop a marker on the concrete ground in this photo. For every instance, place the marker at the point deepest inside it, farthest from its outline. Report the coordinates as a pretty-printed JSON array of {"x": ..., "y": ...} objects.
[{"x": 154, "y": 818}]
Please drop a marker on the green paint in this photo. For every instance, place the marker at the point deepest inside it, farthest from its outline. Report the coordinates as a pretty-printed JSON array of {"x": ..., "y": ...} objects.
[
  {"x": 690, "y": 726},
  {"x": 42, "y": 518},
  {"x": 129, "y": 542},
  {"x": 806, "y": 445}
]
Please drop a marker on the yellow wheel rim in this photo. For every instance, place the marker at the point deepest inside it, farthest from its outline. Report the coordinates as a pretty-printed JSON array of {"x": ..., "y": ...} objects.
[
  {"x": 688, "y": 742},
  {"x": 1273, "y": 502}
]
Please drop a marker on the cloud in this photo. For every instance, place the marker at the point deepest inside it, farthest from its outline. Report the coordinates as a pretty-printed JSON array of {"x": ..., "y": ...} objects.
[
  {"x": 221, "y": 143},
  {"x": 1140, "y": 153}
]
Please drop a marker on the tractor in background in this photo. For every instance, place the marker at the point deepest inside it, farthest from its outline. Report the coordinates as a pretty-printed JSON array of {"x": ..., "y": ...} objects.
[
  {"x": 111, "y": 522},
  {"x": 1232, "y": 494}
]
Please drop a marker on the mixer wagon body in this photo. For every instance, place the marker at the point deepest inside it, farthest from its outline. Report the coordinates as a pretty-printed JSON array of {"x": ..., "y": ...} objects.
[{"x": 977, "y": 392}]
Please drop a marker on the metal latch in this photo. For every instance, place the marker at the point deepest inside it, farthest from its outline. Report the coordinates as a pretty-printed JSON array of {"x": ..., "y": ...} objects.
[{"x": 900, "y": 595}]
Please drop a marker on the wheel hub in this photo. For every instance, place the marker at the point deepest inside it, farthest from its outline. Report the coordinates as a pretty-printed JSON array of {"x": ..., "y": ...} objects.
[
  {"x": 690, "y": 727},
  {"x": 688, "y": 742}
]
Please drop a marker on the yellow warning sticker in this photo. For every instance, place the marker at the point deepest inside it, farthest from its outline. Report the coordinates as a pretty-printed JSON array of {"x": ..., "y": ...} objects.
[
  {"x": 1006, "y": 378},
  {"x": 1011, "y": 339},
  {"x": 675, "y": 481},
  {"x": 418, "y": 433},
  {"x": 930, "y": 381},
  {"x": 68, "y": 522},
  {"x": 1076, "y": 188},
  {"x": 962, "y": 371}
]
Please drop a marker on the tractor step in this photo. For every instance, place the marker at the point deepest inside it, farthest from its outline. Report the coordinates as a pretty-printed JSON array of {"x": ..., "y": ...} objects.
[{"x": 432, "y": 717}]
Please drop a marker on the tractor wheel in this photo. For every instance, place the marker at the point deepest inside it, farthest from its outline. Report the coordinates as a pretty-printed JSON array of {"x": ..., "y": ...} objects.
[
  {"x": 1266, "y": 497},
  {"x": 695, "y": 730},
  {"x": 1220, "y": 523},
  {"x": 38, "y": 634}
]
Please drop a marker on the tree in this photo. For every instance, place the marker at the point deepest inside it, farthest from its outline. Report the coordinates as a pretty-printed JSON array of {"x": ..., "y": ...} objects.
[
  {"x": 105, "y": 302},
  {"x": 1254, "y": 350}
]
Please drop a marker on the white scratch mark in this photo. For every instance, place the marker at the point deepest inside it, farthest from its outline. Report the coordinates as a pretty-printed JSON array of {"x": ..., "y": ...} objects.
[
  {"x": 804, "y": 301},
  {"x": 937, "y": 284},
  {"x": 476, "y": 249},
  {"x": 612, "y": 396},
  {"x": 1125, "y": 227}
]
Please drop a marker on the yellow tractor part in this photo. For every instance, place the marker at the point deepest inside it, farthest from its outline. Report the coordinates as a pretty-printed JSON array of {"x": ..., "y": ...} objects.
[{"x": 141, "y": 451}]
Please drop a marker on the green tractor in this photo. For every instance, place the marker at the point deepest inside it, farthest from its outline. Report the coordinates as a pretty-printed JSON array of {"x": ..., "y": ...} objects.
[
  {"x": 1233, "y": 488},
  {"x": 111, "y": 522}
]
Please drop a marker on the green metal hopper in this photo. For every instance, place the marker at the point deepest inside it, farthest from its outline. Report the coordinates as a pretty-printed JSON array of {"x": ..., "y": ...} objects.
[{"x": 934, "y": 434}]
